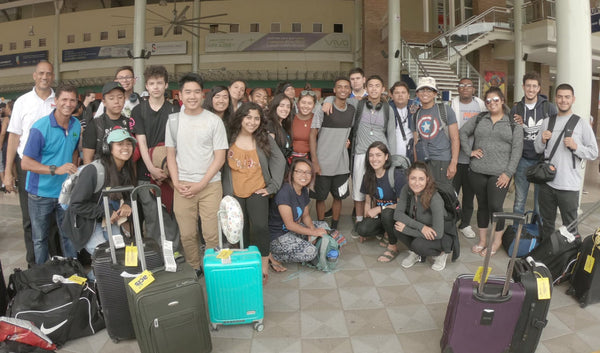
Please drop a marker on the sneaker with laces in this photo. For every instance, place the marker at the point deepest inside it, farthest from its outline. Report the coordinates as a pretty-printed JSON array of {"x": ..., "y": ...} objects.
[
  {"x": 410, "y": 260},
  {"x": 354, "y": 233},
  {"x": 439, "y": 262},
  {"x": 468, "y": 232}
]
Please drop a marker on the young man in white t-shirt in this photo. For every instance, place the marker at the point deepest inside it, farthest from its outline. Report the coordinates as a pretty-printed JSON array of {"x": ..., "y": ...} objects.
[{"x": 196, "y": 146}]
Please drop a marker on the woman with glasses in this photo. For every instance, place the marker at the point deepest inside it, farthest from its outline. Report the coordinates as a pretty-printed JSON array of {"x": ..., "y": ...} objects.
[
  {"x": 380, "y": 198},
  {"x": 497, "y": 148},
  {"x": 290, "y": 224},
  {"x": 280, "y": 123},
  {"x": 419, "y": 219},
  {"x": 218, "y": 101},
  {"x": 253, "y": 171},
  {"x": 302, "y": 123}
]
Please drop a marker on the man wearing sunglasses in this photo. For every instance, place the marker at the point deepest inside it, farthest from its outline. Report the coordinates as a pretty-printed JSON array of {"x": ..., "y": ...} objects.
[
  {"x": 465, "y": 106},
  {"x": 529, "y": 112}
]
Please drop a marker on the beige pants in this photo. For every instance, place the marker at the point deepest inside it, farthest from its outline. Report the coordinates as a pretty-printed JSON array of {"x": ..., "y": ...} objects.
[{"x": 206, "y": 205}]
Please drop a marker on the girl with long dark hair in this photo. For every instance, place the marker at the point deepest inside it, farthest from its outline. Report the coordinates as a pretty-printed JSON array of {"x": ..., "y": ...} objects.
[
  {"x": 252, "y": 172},
  {"x": 280, "y": 123},
  {"x": 218, "y": 101}
]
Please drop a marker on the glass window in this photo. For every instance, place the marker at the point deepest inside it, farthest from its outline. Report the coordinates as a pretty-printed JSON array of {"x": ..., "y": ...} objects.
[
  {"x": 13, "y": 45},
  {"x": 87, "y": 37},
  {"x": 254, "y": 27},
  {"x": 317, "y": 27},
  {"x": 275, "y": 27},
  {"x": 42, "y": 42},
  {"x": 71, "y": 38},
  {"x": 296, "y": 27},
  {"x": 213, "y": 28},
  {"x": 1, "y": 47},
  {"x": 103, "y": 35},
  {"x": 158, "y": 31},
  {"x": 27, "y": 43},
  {"x": 178, "y": 30},
  {"x": 234, "y": 28},
  {"x": 338, "y": 28},
  {"x": 121, "y": 34}
]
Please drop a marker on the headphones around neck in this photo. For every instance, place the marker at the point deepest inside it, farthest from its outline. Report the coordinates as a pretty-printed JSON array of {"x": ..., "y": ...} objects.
[{"x": 377, "y": 106}]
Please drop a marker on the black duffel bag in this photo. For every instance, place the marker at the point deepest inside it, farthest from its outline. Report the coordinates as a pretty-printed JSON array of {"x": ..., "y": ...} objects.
[
  {"x": 541, "y": 172},
  {"x": 61, "y": 308}
]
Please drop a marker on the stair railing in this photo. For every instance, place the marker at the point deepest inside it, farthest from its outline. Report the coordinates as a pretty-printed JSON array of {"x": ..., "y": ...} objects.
[{"x": 411, "y": 62}]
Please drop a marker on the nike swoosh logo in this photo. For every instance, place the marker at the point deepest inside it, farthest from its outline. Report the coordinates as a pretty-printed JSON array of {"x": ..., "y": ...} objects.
[{"x": 47, "y": 331}]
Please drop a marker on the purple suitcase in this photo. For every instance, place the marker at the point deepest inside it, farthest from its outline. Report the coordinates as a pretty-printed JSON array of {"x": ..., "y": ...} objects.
[{"x": 484, "y": 314}]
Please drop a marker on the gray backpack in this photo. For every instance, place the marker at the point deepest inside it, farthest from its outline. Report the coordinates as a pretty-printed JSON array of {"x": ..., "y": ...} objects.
[{"x": 66, "y": 190}]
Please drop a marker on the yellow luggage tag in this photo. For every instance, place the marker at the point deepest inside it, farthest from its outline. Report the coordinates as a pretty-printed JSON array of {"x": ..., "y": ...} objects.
[
  {"x": 589, "y": 264},
  {"x": 141, "y": 281},
  {"x": 479, "y": 273},
  {"x": 543, "y": 285},
  {"x": 225, "y": 256},
  {"x": 79, "y": 280},
  {"x": 131, "y": 255}
]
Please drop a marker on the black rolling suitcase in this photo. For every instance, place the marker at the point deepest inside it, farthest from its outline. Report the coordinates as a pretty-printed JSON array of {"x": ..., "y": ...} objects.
[
  {"x": 169, "y": 314},
  {"x": 3, "y": 293},
  {"x": 535, "y": 310},
  {"x": 585, "y": 281},
  {"x": 108, "y": 264}
]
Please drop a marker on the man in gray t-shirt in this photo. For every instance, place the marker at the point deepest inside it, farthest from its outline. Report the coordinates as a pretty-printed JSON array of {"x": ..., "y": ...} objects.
[
  {"x": 440, "y": 139},
  {"x": 329, "y": 151}
]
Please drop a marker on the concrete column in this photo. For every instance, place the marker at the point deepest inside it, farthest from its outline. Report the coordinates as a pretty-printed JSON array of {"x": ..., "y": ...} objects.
[
  {"x": 519, "y": 62},
  {"x": 574, "y": 53},
  {"x": 58, "y": 4},
  {"x": 394, "y": 42},
  {"x": 425, "y": 15},
  {"x": 358, "y": 27},
  {"x": 451, "y": 14},
  {"x": 196, "y": 39},
  {"x": 139, "y": 39},
  {"x": 462, "y": 11}
]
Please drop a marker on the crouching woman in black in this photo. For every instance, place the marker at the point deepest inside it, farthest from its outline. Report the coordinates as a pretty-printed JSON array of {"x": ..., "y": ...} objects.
[
  {"x": 380, "y": 198},
  {"x": 419, "y": 219},
  {"x": 85, "y": 214}
]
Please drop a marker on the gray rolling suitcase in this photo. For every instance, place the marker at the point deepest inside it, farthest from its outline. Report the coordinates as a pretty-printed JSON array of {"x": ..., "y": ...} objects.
[{"x": 169, "y": 315}]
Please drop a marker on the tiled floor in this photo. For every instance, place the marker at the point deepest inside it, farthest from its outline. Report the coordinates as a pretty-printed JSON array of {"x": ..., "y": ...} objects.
[{"x": 364, "y": 306}]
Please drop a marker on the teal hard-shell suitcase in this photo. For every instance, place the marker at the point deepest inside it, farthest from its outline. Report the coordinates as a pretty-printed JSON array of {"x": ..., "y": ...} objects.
[
  {"x": 234, "y": 287},
  {"x": 169, "y": 315}
]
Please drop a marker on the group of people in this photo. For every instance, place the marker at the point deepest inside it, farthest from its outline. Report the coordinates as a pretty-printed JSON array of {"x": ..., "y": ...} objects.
[{"x": 275, "y": 154}]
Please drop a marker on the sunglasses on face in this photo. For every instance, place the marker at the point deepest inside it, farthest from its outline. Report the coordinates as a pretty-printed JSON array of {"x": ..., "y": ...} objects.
[
  {"x": 465, "y": 85},
  {"x": 308, "y": 93},
  {"x": 490, "y": 100}
]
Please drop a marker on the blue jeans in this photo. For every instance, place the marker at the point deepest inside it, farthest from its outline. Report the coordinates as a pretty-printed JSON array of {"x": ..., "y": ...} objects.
[
  {"x": 41, "y": 211},
  {"x": 99, "y": 236},
  {"x": 522, "y": 187}
]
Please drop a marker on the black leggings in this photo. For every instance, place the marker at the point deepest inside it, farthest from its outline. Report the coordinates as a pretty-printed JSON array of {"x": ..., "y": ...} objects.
[
  {"x": 256, "y": 222},
  {"x": 461, "y": 181},
  {"x": 370, "y": 227},
  {"x": 424, "y": 247},
  {"x": 490, "y": 198}
]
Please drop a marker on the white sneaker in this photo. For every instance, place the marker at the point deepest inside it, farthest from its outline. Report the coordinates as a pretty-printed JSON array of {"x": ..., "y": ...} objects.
[
  {"x": 439, "y": 262},
  {"x": 410, "y": 260},
  {"x": 468, "y": 232}
]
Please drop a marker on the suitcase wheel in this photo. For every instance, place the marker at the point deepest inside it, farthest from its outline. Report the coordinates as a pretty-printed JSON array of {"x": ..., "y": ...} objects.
[
  {"x": 115, "y": 340},
  {"x": 259, "y": 327}
]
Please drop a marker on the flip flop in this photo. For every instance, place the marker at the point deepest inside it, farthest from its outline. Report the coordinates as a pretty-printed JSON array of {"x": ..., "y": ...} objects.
[
  {"x": 484, "y": 251},
  {"x": 477, "y": 249},
  {"x": 389, "y": 255}
]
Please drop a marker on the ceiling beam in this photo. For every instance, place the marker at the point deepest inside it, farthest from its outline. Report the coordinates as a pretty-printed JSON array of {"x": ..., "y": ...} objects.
[{"x": 20, "y": 3}]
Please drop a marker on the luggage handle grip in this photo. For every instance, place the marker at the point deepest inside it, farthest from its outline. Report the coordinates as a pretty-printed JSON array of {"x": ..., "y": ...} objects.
[
  {"x": 117, "y": 189},
  {"x": 508, "y": 215},
  {"x": 135, "y": 191}
]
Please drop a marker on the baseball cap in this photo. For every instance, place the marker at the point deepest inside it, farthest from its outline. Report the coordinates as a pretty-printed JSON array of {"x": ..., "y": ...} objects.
[
  {"x": 118, "y": 135},
  {"x": 109, "y": 86},
  {"x": 428, "y": 82}
]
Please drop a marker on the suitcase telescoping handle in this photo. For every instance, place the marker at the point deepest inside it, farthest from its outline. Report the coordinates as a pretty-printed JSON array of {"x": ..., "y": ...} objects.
[
  {"x": 107, "y": 191},
  {"x": 137, "y": 228},
  {"x": 519, "y": 219}
]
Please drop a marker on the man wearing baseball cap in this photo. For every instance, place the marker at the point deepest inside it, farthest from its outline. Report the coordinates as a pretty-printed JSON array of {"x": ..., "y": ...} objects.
[
  {"x": 113, "y": 98},
  {"x": 435, "y": 125}
]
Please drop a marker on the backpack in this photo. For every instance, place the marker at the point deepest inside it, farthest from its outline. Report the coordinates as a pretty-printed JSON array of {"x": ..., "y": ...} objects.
[
  {"x": 398, "y": 161},
  {"x": 66, "y": 190},
  {"x": 443, "y": 117},
  {"x": 451, "y": 203},
  {"x": 324, "y": 244},
  {"x": 567, "y": 131}
]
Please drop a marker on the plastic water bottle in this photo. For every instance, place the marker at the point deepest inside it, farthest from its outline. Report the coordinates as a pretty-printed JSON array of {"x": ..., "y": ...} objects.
[{"x": 332, "y": 255}]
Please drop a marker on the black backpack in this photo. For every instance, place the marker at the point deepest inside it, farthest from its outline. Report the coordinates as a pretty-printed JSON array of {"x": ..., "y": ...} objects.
[{"x": 451, "y": 203}]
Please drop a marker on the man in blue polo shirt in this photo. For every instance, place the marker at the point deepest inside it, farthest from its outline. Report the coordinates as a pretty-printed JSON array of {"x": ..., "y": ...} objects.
[{"x": 50, "y": 155}]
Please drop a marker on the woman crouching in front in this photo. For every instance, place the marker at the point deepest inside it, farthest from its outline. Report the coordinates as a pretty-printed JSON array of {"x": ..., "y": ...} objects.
[{"x": 420, "y": 219}]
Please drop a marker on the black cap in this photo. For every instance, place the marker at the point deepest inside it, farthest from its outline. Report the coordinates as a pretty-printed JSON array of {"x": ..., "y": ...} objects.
[{"x": 109, "y": 86}]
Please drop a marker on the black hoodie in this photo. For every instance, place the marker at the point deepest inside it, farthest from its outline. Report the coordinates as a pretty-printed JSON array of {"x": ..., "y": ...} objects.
[{"x": 532, "y": 121}]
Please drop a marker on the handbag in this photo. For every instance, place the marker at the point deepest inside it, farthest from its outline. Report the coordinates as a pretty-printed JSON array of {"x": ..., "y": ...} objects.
[{"x": 544, "y": 171}]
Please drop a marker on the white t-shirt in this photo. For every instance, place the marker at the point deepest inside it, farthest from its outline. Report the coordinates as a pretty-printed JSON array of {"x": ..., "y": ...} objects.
[
  {"x": 198, "y": 136},
  {"x": 28, "y": 109},
  {"x": 400, "y": 142}
]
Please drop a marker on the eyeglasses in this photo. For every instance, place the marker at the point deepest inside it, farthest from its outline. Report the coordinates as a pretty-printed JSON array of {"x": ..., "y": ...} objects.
[
  {"x": 465, "y": 85},
  {"x": 125, "y": 78},
  {"x": 490, "y": 100},
  {"x": 304, "y": 172},
  {"x": 308, "y": 93}
]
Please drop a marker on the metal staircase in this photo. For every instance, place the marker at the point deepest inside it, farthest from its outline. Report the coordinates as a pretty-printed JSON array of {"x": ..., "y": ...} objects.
[{"x": 443, "y": 57}]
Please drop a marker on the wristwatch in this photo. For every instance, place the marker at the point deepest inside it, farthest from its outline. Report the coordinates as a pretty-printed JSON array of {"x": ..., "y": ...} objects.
[{"x": 52, "y": 170}]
